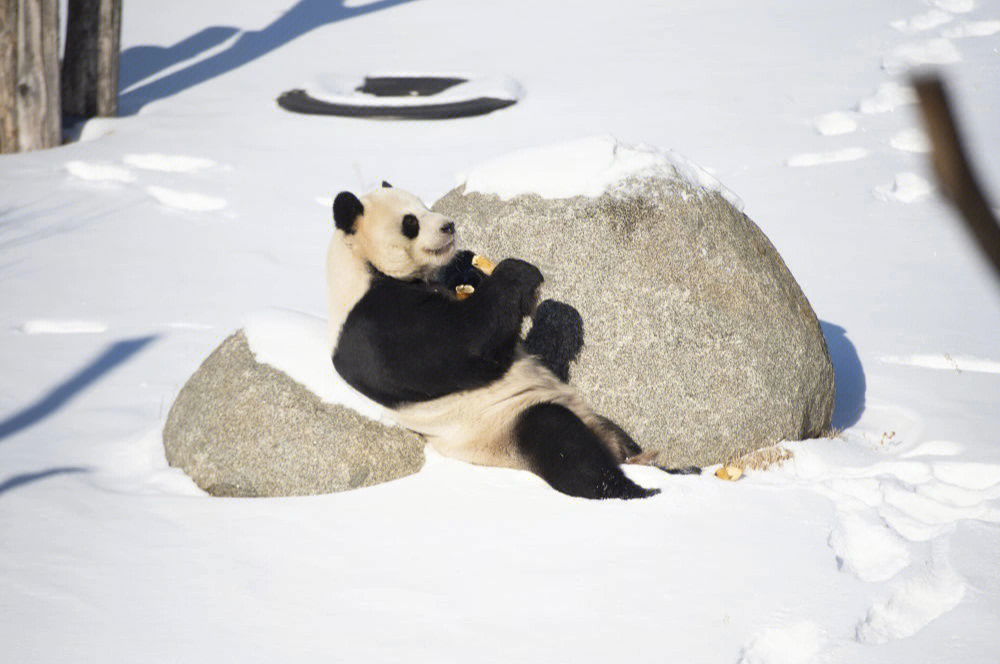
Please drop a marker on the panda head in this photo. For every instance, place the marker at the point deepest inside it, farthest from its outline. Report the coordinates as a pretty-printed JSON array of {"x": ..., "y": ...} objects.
[{"x": 395, "y": 232}]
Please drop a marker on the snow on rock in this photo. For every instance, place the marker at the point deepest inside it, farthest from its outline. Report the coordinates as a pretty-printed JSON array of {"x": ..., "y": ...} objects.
[
  {"x": 167, "y": 163},
  {"x": 906, "y": 187},
  {"x": 297, "y": 344},
  {"x": 937, "y": 51},
  {"x": 889, "y": 96},
  {"x": 796, "y": 643},
  {"x": 972, "y": 29},
  {"x": 190, "y": 201},
  {"x": 584, "y": 167},
  {"x": 835, "y": 123},
  {"x": 99, "y": 172}
]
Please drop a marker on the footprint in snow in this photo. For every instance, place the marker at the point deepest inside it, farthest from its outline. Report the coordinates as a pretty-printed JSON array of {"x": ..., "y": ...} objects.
[
  {"x": 167, "y": 163},
  {"x": 99, "y": 172},
  {"x": 938, "y": 51},
  {"x": 888, "y": 97},
  {"x": 911, "y": 604},
  {"x": 973, "y": 29},
  {"x": 817, "y": 158},
  {"x": 836, "y": 123},
  {"x": 894, "y": 519},
  {"x": 798, "y": 642},
  {"x": 926, "y": 21},
  {"x": 906, "y": 187},
  {"x": 53, "y": 326},
  {"x": 911, "y": 139},
  {"x": 191, "y": 201},
  {"x": 956, "y": 6}
]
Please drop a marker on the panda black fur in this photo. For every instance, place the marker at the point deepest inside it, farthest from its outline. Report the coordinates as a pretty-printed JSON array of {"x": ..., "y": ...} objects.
[{"x": 457, "y": 372}]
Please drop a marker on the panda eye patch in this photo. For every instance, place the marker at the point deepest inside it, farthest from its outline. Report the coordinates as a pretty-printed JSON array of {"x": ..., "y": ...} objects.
[{"x": 411, "y": 226}]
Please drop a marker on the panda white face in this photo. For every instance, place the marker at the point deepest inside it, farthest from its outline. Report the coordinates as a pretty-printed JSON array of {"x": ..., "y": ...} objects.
[{"x": 395, "y": 232}]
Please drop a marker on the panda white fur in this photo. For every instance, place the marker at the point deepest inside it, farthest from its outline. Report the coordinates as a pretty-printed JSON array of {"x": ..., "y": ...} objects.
[{"x": 457, "y": 372}]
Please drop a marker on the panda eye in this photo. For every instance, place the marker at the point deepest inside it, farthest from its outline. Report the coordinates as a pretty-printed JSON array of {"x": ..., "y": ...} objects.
[{"x": 411, "y": 226}]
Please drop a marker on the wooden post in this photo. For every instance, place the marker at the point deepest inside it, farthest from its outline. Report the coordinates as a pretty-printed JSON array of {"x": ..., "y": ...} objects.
[
  {"x": 8, "y": 76},
  {"x": 90, "y": 64},
  {"x": 952, "y": 167},
  {"x": 38, "y": 116}
]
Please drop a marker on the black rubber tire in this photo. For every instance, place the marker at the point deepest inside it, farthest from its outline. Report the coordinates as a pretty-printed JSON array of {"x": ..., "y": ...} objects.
[{"x": 298, "y": 101}]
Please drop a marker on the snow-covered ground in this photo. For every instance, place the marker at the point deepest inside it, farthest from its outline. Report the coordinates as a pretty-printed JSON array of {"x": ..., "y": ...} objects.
[{"x": 126, "y": 257}]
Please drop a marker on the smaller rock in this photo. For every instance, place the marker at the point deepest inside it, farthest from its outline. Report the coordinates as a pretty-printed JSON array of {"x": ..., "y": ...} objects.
[{"x": 243, "y": 428}]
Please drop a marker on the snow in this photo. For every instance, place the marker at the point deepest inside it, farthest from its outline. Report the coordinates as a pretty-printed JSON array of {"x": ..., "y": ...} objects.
[
  {"x": 889, "y": 96},
  {"x": 937, "y": 51},
  {"x": 186, "y": 200},
  {"x": 170, "y": 163},
  {"x": 127, "y": 256},
  {"x": 343, "y": 89},
  {"x": 832, "y": 157},
  {"x": 973, "y": 29},
  {"x": 584, "y": 167},
  {"x": 836, "y": 123},
  {"x": 298, "y": 344},
  {"x": 906, "y": 187}
]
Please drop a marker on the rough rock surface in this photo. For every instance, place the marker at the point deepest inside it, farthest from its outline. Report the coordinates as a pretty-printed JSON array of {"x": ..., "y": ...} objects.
[
  {"x": 242, "y": 428},
  {"x": 697, "y": 338}
]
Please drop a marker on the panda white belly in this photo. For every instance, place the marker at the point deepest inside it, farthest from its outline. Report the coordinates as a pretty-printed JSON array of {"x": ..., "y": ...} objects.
[{"x": 477, "y": 425}]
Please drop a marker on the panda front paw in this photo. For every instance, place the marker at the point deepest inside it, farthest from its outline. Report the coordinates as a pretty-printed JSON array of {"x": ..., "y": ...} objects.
[
  {"x": 459, "y": 271},
  {"x": 523, "y": 279}
]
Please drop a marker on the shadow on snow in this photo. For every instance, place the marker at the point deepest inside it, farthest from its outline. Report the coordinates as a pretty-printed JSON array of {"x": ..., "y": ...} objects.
[
  {"x": 849, "y": 402},
  {"x": 140, "y": 62},
  {"x": 57, "y": 397}
]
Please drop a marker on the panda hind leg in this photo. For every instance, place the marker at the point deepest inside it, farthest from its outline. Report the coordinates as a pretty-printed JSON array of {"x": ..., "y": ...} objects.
[
  {"x": 630, "y": 451},
  {"x": 560, "y": 448}
]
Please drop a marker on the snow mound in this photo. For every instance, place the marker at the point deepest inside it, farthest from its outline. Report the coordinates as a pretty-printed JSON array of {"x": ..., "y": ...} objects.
[
  {"x": 297, "y": 344},
  {"x": 584, "y": 167}
]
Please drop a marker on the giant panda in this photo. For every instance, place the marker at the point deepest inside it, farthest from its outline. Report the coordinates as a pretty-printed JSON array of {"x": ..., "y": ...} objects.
[{"x": 457, "y": 371}]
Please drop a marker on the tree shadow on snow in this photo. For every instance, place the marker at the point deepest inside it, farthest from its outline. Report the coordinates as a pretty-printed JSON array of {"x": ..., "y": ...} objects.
[
  {"x": 57, "y": 397},
  {"x": 140, "y": 62},
  {"x": 15, "y": 481},
  {"x": 849, "y": 402}
]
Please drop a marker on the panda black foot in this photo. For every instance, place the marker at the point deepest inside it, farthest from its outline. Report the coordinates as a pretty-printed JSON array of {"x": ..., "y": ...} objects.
[
  {"x": 556, "y": 336},
  {"x": 560, "y": 448}
]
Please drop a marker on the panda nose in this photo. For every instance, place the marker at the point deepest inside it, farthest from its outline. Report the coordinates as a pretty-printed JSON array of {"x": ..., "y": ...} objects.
[{"x": 448, "y": 228}]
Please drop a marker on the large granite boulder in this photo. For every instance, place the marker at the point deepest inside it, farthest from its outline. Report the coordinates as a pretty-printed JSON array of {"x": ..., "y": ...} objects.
[
  {"x": 696, "y": 337},
  {"x": 243, "y": 428}
]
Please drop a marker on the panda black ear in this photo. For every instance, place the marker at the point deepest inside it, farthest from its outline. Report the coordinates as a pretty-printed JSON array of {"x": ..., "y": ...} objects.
[
  {"x": 386, "y": 185},
  {"x": 346, "y": 209}
]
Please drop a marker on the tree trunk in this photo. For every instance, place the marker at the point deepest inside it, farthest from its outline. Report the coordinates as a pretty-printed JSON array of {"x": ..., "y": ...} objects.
[
  {"x": 90, "y": 64},
  {"x": 8, "y": 76}
]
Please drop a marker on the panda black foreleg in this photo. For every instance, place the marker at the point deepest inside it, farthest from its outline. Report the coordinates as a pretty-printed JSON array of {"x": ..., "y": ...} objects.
[{"x": 560, "y": 448}]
